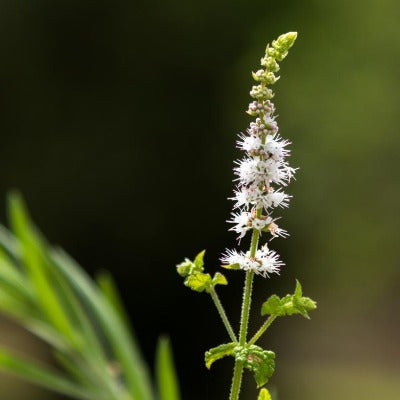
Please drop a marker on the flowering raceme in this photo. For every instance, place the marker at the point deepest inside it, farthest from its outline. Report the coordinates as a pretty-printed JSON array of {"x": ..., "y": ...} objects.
[{"x": 263, "y": 172}]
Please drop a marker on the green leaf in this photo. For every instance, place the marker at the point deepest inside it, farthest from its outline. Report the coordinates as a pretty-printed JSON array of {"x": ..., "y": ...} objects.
[
  {"x": 122, "y": 343},
  {"x": 219, "y": 352},
  {"x": 260, "y": 362},
  {"x": 167, "y": 381},
  {"x": 289, "y": 305},
  {"x": 264, "y": 395},
  {"x": 34, "y": 258},
  {"x": 40, "y": 375},
  {"x": 231, "y": 266},
  {"x": 198, "y": 281},
  {"x": 199, "y": 262},
  {"x": 109, "y": 289},
  {"x": 272, "y": 306},
  {"x": 298, "y": 292},
  {"x": 219, "y": 279}
]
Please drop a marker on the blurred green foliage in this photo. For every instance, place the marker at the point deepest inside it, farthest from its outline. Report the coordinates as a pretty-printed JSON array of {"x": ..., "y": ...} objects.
[{"x": 46, "y": 292}]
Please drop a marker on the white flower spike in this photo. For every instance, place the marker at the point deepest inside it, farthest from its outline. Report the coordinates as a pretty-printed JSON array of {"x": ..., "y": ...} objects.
[{"x": 264, "y": 171}]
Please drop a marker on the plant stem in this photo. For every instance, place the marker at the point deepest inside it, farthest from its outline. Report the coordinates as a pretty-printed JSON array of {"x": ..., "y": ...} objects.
[
  {"x": 263, "y": 328},
  {"x": 222, "y": 314},
  {"x": 244, "y": 320},
  {"x": 236, "y": 380}
]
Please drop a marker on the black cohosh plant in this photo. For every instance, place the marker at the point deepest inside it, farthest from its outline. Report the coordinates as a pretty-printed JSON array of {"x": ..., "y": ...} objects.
[{"x": 262, "y": 174}]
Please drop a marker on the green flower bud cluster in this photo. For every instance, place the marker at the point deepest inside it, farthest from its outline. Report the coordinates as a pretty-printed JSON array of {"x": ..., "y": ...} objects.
[{"x": 273, "y": 53}]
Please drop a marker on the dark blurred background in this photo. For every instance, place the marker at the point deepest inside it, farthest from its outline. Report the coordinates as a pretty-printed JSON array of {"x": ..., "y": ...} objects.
[{"x": 118, "y": 123}]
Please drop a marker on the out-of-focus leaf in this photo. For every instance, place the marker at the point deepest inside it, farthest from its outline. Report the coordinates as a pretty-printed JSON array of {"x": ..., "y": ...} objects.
[
  {"x": 35, "y": 261},
  {"x": 40, "y": 375},
  {"x": 167, "y": 382},
  {"x": 125, "y": 350},
  {"x": 264, "y": 395},
  {"x": 110, "y": 291}
]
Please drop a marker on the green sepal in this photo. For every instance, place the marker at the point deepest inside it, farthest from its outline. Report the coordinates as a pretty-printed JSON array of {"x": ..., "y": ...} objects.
[
  {"x": 260, "y": 362},
  {"x": 219, "y": 279},
  {"x": 216, "y": 353},
  {"x": 198, "y": 281},
  {"x": 264, "y": 395},
  {"x": 231, "y": 266},
  {"x": 289, "y": 305}
]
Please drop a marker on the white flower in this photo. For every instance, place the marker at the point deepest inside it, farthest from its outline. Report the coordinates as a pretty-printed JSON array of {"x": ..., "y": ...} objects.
[
  {"x": 253, "y": 171},
  {"x": 270, "y": 262},
  {"x": 254, "y": 196},
  {"x": 265, "y": 261},
  {"x": 260, "y": 223},
  {"x": 251, "y": 144},
  {"x": 274, "y": 148},
  {"x": 242, "y": 223},
  {"x": 276, "y": 231}
]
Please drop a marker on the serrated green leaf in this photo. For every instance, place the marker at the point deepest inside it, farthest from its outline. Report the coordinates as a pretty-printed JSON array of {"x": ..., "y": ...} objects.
[
  {"x": 260, "y": 362},
  {"x": 198, "y": 281},
  {"x": 216, "y": 353},
  {"x": 273, "y": 306},
  {"x": 199, "y": 261},
  {"x": 219, "y": 279},
  {"x": 264, "y": 395},
  {"x": 231, "y": 266},
  {"x": 167, "y": 382},
  {"x": 289, "y": 305}
]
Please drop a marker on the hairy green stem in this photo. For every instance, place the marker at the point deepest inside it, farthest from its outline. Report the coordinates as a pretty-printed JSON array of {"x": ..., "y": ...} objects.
[
  {"x": 222, "y": 314},
  {"x": 236, "y": 380},
  {"x": 263, "y": 328},
  {"x": 244, "y": 320}
]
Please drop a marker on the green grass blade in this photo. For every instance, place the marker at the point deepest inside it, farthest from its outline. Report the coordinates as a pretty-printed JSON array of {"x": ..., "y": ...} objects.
[
  {"x": 167, "y": 381},
  {"x": 35, "y": 261},
  {"x": 41, "y": 375},
  {"x": 122, "y": 343},
  {"x": 109, "y": 289}
]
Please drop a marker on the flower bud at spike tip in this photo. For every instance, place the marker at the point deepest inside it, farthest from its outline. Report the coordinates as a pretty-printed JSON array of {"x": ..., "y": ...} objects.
[{"x": 287, "y": 40}]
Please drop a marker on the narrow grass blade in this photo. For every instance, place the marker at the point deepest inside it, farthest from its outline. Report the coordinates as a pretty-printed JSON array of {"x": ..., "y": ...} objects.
[
  {"x": 41, "y": 375},
  {"x": 35, "y": 261},
  {"x": 110, "y": 291},
  {"x": 122, "y": 343},
  {"x": 167, "y": 382}
]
